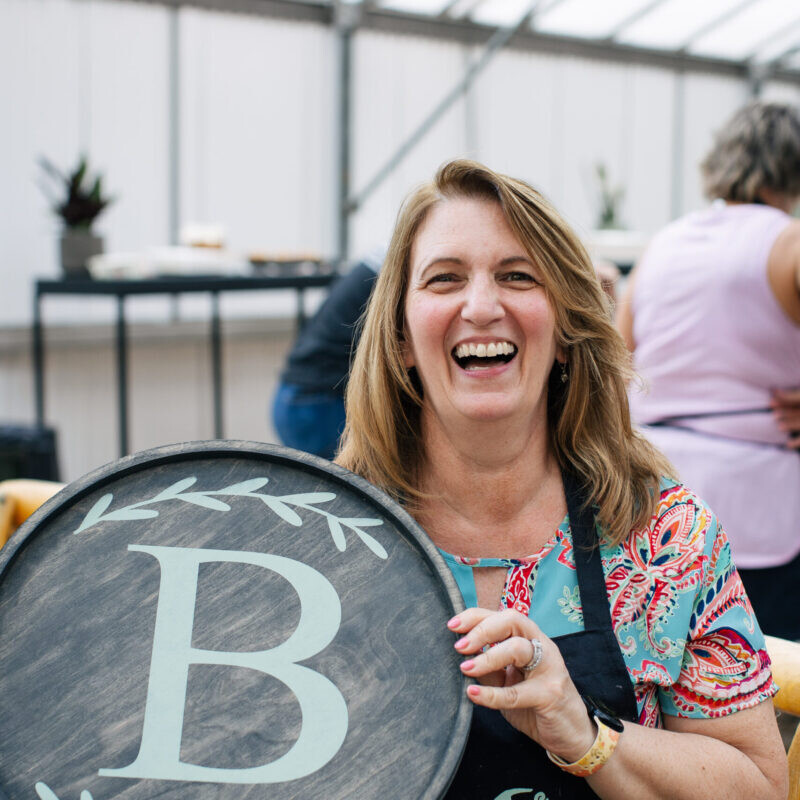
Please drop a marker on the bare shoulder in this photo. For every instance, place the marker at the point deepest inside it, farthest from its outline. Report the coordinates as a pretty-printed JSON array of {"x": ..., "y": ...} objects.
[{"x": 783, "y": 270}]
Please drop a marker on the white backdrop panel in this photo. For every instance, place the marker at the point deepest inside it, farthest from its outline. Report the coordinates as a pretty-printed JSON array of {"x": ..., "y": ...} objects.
[
  {"x": 709, "y": 102},
  {"x": 593, "y": 126},
  {"x": 89, "y": 76},
  {"x": 550, "y": 119},
  {"x": 516, "y": 102},
  {"x": 257, "y": 135},
  {"x": 40, "y": 93},
  {"x": 397, "y": 81},
  {"x": 128, "y": 96},
  {"x": 648, "y": 156},
  {"x": 778, "y": 92}
]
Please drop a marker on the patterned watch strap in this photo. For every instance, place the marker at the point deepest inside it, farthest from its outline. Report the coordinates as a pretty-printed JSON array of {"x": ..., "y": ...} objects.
[{"x": 604, "y": 744}]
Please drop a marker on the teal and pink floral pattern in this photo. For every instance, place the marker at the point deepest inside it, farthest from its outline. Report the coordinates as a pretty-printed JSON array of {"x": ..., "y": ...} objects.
[{"x": 686, "y": 629}]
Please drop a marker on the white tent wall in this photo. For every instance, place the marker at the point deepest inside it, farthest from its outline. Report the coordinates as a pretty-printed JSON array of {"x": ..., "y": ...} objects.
[
  {"x": 708, "y": 103},
  {"x": 782, "y": 92},
  {"x": 257, "y": 118},
  {"x": 257, "y": 152},
  {"x": 80, "y": 77},
  {"x": 552, "y": 119},
  {"x": 398, "y": 80},
  {"x": 257, "y": 138}
]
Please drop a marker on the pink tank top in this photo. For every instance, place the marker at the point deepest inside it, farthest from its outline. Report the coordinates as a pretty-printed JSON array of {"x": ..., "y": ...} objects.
[{"x": 711, "y": 339}]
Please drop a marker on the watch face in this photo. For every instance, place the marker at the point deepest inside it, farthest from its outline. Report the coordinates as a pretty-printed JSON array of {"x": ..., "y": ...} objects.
[{"x": 605, "y": 716}]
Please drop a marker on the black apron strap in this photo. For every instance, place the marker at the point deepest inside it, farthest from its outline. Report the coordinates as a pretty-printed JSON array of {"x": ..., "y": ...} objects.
[
  {"x": 598, "y": 637},
  {"x": 591, "y": 580},
  {"x": 499, "y": 760}
]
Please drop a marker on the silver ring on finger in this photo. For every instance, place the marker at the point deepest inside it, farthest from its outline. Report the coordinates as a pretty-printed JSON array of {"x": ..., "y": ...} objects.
[{"x": 538, "y": 651}]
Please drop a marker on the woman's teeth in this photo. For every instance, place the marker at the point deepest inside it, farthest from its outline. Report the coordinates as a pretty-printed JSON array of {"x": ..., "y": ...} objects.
[
  {"x": 477, "y": 356},
  {"x": 485, "y": 350}
]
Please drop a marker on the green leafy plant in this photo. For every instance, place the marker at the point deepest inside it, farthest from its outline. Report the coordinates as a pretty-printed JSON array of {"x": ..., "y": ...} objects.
[
  {"x": 610, "y": 200},
  {"x": 82, "y": 200}
]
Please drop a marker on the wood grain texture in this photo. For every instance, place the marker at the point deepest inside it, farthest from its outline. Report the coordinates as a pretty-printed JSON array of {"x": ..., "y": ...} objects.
[{"x": 78, "y": 613}]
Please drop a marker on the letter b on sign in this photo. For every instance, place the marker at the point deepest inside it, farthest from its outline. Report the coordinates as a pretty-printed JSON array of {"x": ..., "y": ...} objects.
[{"x": 324, "y": 712}]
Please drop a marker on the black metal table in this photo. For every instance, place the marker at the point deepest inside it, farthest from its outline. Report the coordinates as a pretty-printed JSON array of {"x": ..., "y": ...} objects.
[{"x": 213, "y": 285}]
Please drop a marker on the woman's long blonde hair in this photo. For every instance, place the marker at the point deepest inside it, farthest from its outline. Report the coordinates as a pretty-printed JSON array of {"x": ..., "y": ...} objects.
[{"x": 588, "y": 417}]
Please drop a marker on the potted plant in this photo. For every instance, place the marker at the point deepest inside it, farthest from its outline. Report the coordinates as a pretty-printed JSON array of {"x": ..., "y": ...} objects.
[
  {"x": 82, "y": 200},
  {"x": 608, "y": 217},
  {"x": 610, "y": 241}
]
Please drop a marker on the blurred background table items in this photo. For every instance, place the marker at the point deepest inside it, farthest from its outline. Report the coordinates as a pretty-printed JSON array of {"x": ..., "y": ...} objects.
[
  {"x": 175, "y": 285},
  {"x": 620, "y": 247}
]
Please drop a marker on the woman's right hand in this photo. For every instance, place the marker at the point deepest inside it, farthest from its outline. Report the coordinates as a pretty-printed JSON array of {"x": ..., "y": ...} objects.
[
  {"x": 542, "y": 703},
  {"x": 786, "y": 410}
]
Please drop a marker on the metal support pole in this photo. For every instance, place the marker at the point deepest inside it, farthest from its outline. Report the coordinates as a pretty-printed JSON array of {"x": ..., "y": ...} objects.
[
  {"x": 38, "y": 358},
  {"x": 346, "y": 19},
  {"x": 499, "y": 39},
  {"x": 301, "y": 309},
  {"x": 678, "y": 135},
  {"x": 122, "y": 376},
  {"x": 757, "y": 74},
  {"x": 216, "y": 365},
  {"x": 174, "y": 133}
]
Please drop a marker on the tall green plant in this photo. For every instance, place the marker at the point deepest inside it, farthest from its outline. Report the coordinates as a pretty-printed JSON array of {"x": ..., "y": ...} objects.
[
  {"x": 82, "y": 199},
  {"x": 610, "y": 200}
]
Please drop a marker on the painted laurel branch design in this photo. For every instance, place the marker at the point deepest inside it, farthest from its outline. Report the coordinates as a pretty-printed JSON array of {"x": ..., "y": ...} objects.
[
  {"x": 284, "y": 506},
  {"x": 46, "y": 793}
]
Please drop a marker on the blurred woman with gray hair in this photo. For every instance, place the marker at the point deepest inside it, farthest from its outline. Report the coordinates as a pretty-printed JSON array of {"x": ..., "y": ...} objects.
[{"x": 712, "y": 315}]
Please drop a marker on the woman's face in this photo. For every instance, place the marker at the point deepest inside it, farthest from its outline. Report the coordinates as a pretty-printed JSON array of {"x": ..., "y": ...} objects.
[{"x": 478, "y": 324}]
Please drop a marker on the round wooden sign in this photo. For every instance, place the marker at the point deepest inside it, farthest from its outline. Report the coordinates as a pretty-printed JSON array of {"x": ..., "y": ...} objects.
[{"x": 226, "y": 620}]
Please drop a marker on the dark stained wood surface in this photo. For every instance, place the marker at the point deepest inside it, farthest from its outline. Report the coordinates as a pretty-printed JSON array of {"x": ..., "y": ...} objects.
[{"x": 78, "y": 620}]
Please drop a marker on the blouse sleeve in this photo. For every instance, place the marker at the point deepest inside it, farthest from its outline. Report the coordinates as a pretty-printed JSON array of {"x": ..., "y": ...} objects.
[{"x": 725, "y": 666}]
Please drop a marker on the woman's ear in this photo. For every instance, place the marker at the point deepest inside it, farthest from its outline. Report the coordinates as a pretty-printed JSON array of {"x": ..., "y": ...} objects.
[{"x": 408, "y": 354}]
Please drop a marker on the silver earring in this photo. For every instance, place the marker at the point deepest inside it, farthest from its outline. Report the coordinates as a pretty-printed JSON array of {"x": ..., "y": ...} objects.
[{"x": 564, "y": 376}]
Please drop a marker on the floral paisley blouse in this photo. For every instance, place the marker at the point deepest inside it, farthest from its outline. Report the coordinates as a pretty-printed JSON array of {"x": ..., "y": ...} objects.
[{"x": 685, "y": 627}]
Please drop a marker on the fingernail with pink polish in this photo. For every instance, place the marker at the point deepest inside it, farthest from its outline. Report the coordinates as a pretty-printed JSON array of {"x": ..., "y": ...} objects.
[
  {"x": 473, "y": 691},
  {"x": 461, "y": 643},
  {"x": 454, "y": 623},
  {"x": 467, "y": 665}
]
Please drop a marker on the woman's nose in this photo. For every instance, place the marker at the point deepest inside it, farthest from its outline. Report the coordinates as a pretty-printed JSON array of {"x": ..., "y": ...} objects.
[{"x": 482, "y": 304}]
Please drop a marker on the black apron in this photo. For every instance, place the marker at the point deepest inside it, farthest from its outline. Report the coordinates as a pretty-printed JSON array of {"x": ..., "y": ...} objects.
[{"x": 498, "y": 758}]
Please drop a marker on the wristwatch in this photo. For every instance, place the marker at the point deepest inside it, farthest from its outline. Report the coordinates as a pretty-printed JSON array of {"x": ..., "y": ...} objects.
[
  {"x": 602, "y": 713},
  {"x": 608, "y": 727}
]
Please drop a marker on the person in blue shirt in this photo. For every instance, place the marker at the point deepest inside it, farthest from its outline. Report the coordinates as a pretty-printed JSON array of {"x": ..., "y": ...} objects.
[{"x": 308, "y": 408}]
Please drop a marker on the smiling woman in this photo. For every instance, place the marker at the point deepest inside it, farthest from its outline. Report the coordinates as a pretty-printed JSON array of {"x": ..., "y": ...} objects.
[
  {"x": 473, "y": 289},
  {"x": 488, "y": 395}
]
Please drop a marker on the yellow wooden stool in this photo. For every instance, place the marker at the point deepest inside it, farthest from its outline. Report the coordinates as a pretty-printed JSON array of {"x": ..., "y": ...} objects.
[
  {"x": 19, "y": 498},
  {"x": 785, "y": 657}
]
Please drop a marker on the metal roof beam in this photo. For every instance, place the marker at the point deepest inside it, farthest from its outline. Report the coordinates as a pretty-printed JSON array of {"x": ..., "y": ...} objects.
[
  {"x": 320, "y": 12},
  {"x": 470, "y": 33},
  {"x": 499, "y": 39}
]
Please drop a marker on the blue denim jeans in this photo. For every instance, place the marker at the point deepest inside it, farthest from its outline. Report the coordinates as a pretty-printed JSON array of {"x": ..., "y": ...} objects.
[{"x": 308, "y": 420}]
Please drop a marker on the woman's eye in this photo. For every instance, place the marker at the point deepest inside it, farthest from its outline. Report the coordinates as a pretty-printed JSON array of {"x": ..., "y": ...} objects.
[
  {"x": 443, "y": 277},
  {"x": 518, "y": 277}
]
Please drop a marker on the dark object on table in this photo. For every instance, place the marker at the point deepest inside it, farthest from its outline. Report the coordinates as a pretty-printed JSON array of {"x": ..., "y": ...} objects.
[
  {"x": 227, "y": 620},
  {"x": 80, "y": 202},
  {"x": 28, "y": 451}
]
